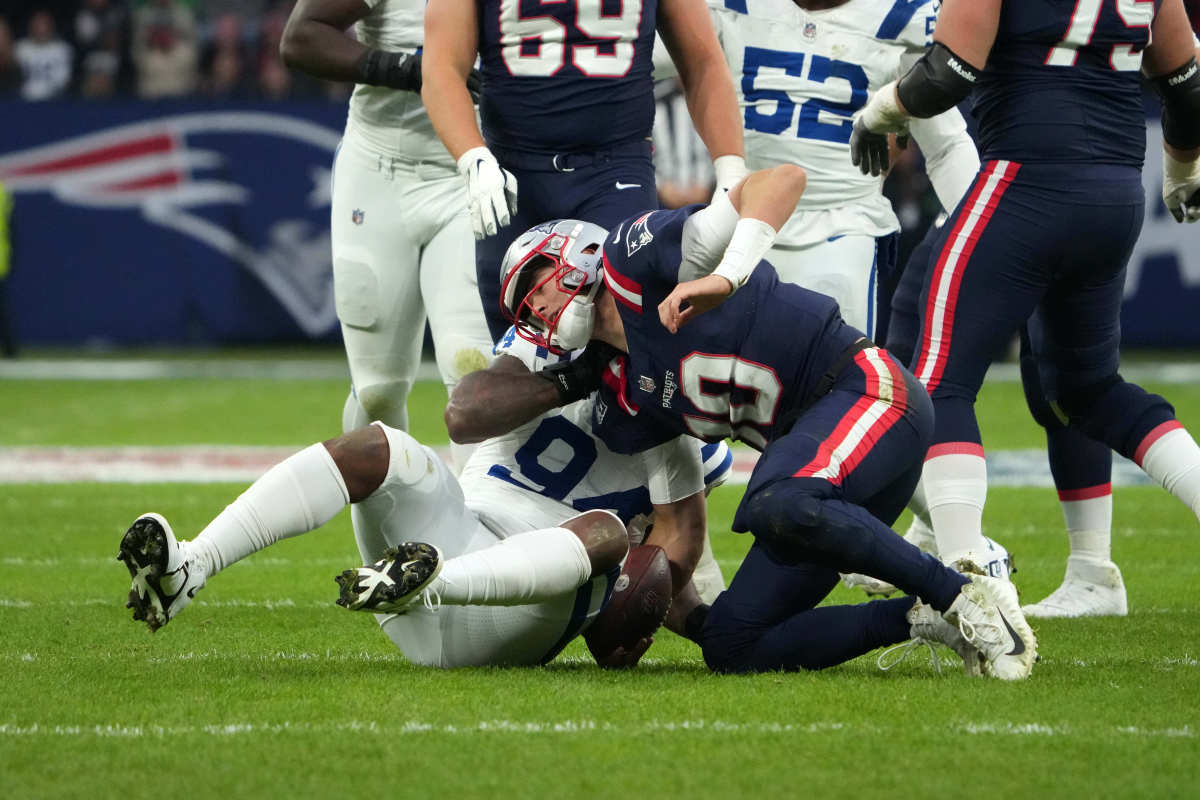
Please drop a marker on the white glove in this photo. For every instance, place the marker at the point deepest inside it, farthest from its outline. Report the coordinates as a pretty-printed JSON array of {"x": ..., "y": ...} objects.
[
  {"x": 491, "y": 191},
  {"x": 1181, "y": 188},
  {"x": 729, "y": 171}
]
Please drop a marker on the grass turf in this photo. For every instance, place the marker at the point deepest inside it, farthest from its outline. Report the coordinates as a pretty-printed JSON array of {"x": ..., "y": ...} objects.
[{"x": 264, "y": 688}]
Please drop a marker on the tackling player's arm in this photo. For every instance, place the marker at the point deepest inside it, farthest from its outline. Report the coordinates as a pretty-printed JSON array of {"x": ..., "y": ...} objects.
[
  {"x": 493, "y": 401},
  {"x": 1170, "y": 62},
  {"x": 315, "y": 41},
  {"x": 687, "y": 31},
  {"x": 725, "y": 242}
]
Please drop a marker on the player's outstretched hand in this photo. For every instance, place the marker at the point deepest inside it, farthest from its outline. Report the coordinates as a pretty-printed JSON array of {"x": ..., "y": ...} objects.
[
  {"x": 491, "y": 191},
  {"x": 691, "y": 298},
  {"x": 1181, "y": 188},
  {"x": 622, "y": 658}
]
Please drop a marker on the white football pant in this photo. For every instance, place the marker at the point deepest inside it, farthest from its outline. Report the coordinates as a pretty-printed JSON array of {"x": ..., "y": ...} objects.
[
  {"x": 402, "y": 249},
  {"x": 843, "y": 268},
  {"x": 432, "y": 509}
]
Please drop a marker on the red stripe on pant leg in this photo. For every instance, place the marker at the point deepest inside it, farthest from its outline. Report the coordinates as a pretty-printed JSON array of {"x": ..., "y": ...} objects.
[
  {"x": 935, "y": 285},
  {"x": 1088, "y": 493},
  {"x": 990, "y": 203},
  {"x": 955, "y": 449},
  {"x": 1152, "y": 437},
  {"x": 882, "y": 425},
  {"x": 829, "y": 444}
]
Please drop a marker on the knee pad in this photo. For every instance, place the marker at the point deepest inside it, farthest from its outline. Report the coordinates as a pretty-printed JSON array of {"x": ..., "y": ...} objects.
[
  {"x": 356, "y": 293},
  {"x": 386, "y": 402}
]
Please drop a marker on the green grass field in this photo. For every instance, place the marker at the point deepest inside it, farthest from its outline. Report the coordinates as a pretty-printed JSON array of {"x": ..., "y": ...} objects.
[{"x": 264, "y": 688}]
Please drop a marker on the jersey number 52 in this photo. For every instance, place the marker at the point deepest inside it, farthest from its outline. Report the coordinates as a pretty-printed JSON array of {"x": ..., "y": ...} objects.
[{"x": 834, "y": 126}]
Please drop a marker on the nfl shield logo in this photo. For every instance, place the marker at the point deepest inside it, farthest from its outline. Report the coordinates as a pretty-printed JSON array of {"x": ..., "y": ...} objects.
[
  {"x": 810, "y": 30},
  {"x": 646, "y": 384},
  {"x": 357, "y": 215}
]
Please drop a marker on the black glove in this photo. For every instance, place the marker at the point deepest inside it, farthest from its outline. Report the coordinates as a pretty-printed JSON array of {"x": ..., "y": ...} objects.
[
  {"x": 578, "y": 378},
  {"x": 868, "y": 151},
  {"x": 403, "y": 71}
]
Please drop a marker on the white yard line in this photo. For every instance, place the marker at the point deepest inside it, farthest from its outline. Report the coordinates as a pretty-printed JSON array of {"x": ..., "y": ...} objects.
[
  {"x": 243, "y": 464},
  {"x": 561, "y": 727}
]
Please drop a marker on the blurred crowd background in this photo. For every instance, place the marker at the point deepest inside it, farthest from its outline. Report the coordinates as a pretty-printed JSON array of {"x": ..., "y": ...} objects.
[{"x": 150, "y": 49}]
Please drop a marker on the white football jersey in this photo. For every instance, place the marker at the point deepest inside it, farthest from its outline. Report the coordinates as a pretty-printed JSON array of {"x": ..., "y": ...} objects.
[
  {"x": 800, "y": 77},
  {"x": 558, "y": 468},
  {"x": 394, "y": 122}
]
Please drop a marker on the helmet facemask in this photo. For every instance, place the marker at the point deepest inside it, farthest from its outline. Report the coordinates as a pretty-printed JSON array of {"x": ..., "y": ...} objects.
[{"x": 571, "y": 250}]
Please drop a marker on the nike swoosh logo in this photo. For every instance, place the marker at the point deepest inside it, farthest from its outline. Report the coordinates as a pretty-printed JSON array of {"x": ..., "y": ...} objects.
[
  {"x": 628, "y": 185},
  {"x": 1018, "y": 642}
]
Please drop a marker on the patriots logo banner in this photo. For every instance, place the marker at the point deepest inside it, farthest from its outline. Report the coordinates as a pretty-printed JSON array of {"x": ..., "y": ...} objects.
[{"x": 140, "y": 223}]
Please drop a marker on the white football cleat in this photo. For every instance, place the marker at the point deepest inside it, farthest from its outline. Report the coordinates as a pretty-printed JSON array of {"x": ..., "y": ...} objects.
[
  {"x": 989, "y": 616},
  {"x": 918, "y": 535},
  {"x": 165, "y": 577},
  {"x": 393, "y": 583},
  {"x": 929, "y": 626},
  {"x": 995, "y": 561},
  {"x": 1091, "y": 588}
]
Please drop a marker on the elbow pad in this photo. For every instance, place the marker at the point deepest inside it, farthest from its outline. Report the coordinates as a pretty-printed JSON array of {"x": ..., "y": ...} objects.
[
  {"x": 706, "y": 234},
  {"x": 1180, "y": 93},
  {"x": 939, "y": 81}
]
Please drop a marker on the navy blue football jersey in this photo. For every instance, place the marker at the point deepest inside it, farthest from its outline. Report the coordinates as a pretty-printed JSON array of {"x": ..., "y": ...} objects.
[
  {"x": 735, "y": 371},
  {"x": 566, "y": 75},
  {"x": 1062, "y": 82}
]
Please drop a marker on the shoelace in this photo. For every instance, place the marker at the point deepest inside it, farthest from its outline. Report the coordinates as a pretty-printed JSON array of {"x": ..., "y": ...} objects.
[
  {"x": 432, "y": 598},
  {"x": 971, "y": 632},
  {"x": 904, "y": 650}
]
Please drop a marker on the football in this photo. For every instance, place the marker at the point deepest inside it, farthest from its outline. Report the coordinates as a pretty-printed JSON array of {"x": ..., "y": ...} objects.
[{"x": 640, "y": 599}]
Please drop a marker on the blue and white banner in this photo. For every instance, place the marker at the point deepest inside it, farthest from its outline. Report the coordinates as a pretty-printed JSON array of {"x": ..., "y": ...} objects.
[
  {"x": 144, "y": 223},
  {"x": 140, "y": 223}
]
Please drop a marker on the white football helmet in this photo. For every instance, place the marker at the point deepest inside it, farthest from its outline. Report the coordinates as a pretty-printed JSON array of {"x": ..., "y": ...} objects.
[{"x": 571, "y": 248}]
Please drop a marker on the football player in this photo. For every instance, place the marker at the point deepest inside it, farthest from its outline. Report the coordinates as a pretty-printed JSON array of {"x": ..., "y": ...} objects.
[
  {"x": 401, "y": 238},
  {"x": 715, "y": 345},
  {"x": 806, "y": 67},
  {"x": 1048, "y": 224},
  {"x": 567, "y": 110},
  {"x": 524, "y": 547}
]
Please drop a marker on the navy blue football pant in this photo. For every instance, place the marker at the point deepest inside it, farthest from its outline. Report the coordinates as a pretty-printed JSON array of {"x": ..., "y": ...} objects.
[
  {"x": 821, "y": 501},
  {"x": 1081, "y": 466},
  {"x": 602, "y": 187},
  {"x": 1046, "y": 245}
]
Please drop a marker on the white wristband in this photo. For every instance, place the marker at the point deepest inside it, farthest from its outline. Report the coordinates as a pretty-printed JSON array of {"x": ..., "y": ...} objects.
[
  {"x": 729, "y": 171},
  {"x": 468, "y": 159},
  {"x": 751, "y": 240},
  {"x": 882, "y": 113}
]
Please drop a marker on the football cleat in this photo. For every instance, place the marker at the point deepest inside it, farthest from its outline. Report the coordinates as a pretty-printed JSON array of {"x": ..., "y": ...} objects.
[
  {"x": 1091, "y": 588},
  {"x": 995, "y": 561},
  {"x": 393, "y": 583},
  {"x": 929, "y": 627},
  {"x": 989, "y": 616},
  {"x": 165, "y": 577}
]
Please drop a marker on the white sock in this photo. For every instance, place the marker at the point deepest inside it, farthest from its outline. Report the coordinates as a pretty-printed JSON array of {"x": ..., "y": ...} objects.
[
  {"x": 1170, "y": 456},
  {"x": 526, "y": 568},
  {"x": 955, "y": 478},
  {"x": 297, "y": 495},
  {"x": 1088, "y": 514},
  {"x": 921, "y": 528}
]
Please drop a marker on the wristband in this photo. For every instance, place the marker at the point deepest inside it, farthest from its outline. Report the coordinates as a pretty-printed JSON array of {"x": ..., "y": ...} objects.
[{"x": 751, "y": 240}]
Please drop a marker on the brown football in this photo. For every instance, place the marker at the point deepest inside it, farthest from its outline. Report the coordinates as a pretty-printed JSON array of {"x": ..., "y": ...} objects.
[{"x": 640, "y": 599}]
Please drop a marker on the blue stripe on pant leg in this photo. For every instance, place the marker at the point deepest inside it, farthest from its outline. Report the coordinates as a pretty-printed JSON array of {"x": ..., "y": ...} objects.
[{"x": 579, "y": 612}]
